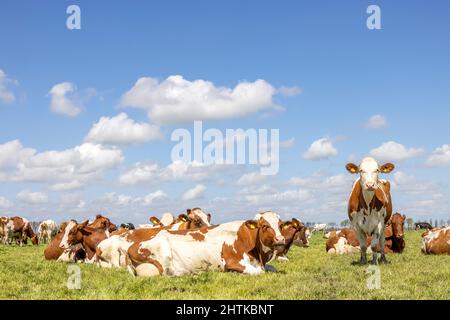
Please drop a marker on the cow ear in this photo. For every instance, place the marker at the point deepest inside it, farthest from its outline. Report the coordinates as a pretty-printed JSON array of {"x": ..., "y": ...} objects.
[
  {"x": 209, "y": 217},
  {"x": 387, "y": 168},
  {"x": 83, "y": 224},
  {"x": 286, "y": 225},
  {"x": 183, "y": 217},
  {"x": 251, "y": 224},
  {"x": 352, "y": 168},
  {"x": 155, "y": 220},
  {"x": 98, "y": 216},
  {"x": 295, "y": 223},
  {"x": 404, "y": 217},
  {"x": 188, "y": 211}
]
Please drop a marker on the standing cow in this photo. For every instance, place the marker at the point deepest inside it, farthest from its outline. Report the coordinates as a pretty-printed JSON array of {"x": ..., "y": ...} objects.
[
  {"x": 47, "y": 231},
  {"x": 370, "y": 206}
]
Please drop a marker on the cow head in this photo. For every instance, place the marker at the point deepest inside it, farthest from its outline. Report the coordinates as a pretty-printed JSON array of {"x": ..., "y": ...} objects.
[
  {"x": 369, "y": 171},
  {"x": 270, "y": 233},
  {"x": 155, "y": 221},
  {"x": 194, "y": 218},
  {"x": 73, "y": 234},
  {"x": 295, "y": 232},
  {"x": 34, "y": 240},
  {"x": 104, "y": 223},
  {"x": 398, "y": 223}
]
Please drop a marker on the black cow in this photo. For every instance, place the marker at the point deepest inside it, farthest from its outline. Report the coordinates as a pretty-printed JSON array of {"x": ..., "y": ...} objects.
[
  {"x": 128, "y": 226},
  {"x": 423, "y": 225}
]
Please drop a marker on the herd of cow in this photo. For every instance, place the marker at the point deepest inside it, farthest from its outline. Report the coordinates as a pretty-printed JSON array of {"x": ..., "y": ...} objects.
[{"x": 190, "y": 244}]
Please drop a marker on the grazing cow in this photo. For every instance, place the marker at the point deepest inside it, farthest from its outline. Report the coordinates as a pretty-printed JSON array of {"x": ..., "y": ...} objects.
[
  {"x": 436, "y": 241},
  {"x": 112, "y": 252},
  {"x": 319, "y": 227},
  {"x": 423, "y": 225},
  {"x": 370, "y": 206},
  {"x": 20, "y": 229},
  {"x": 295, "y": 233},
  {"x": 47, "y": 231},
  {"x": 240, "y": 246}
]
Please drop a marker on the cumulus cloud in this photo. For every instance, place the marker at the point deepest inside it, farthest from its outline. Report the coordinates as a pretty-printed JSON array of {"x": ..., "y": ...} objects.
[
  {"x": 29, "y": 197},
  {"x": 440, "y": 157},
  {"x": 194, "y": 193},
  {"x": 6, "y": 93},
  {"x": 320, "y": 149},
  {"x": 62, "y": 100},
  {"x": 5, "y": 203},
  {"x": 377, "y": 121},
  {"x": 175, "y": 171},
  {"x": 112, "y": 198},
  {"x": 122, "y": 130},
  {"x": 176, "y": 99},
  {"x": 251, "y": 178},
  {"x": 393, "y": 151},
  {"x": 66, "y": 169}
]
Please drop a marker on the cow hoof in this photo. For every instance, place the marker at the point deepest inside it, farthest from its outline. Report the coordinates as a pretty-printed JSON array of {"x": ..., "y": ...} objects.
[
  {"x": 384, "y": 261},
  {"x": 359, "y": 263},
  {"x": 374, "y": 262},
  {"x": 270, "y": 269}
]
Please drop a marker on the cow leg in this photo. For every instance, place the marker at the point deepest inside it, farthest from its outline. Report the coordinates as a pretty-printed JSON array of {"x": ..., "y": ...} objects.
[
  {"x": 362, "y": 238},
  {"x": 373, "y": 245},
  {"x": 383, "y": 253}
]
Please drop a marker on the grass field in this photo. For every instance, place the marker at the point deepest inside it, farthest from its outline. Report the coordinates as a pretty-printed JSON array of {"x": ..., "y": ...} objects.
[{"x": 310, "y": 274}]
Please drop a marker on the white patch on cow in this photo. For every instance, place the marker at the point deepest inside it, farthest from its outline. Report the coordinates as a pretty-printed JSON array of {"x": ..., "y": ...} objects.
[
  {"x": 64, "y": 241},
  {"x": 273, "y": 219},
  {"x": 251, "y": 266},
  {"x": 202, "y": 215}
]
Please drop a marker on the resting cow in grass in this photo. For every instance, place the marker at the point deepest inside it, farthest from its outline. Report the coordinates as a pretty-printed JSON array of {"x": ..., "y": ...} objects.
[
  {"x": 370, "y": 206},
  {"x": 240, "y": 246},
  {"x": 112, "y": 252},
  {"x": 436, "y": 241},
  {"x": 294, "y": 233}
]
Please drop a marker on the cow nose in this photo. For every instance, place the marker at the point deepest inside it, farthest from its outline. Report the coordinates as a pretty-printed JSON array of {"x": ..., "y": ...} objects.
[{"x": 280, "y": 240}]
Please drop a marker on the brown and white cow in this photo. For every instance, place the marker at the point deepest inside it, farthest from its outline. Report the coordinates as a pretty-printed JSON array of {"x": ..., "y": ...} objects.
[
  {"x": 19, "y": 229},
  {"x": 436, "y": 241},
  {"x": 79, "y": 241},
  {"x": 3, "y": 229},
  {"x": 346, "y": 241},
  {"x": 112, "y": 251},
  {"x": 239, "y": 246},
  {"x": 47, "y": 231},
  {"x": 294, "y": 233},
  {"x": 370, "y": 206}
]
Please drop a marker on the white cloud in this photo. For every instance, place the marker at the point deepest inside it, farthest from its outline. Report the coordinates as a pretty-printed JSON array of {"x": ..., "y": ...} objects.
[
  {"x": 176, "y": 99},
  {"x": 440, "y": 157},
  {"x": 320, "y": 149},
  {"x": 29, "y": 197},
  {"x": 6, "y": 94},
  {"x": 377, "y": 121},
  {"x": 393, "y": 151},
  {"x": 154, "y": 197},
  {"x": 289, "y": 91},
  {"x": 62, "y": 101},
  {"x": 194, "y": 193},
  {"x": 5, "y": 203},
  {"x": 252, "y": 178},
  {"x": 175, "y": 171},
  {"x": 287, "y": 144},
  {"x": 122, "y": 130},
  {"x": 67, "y": 169}
]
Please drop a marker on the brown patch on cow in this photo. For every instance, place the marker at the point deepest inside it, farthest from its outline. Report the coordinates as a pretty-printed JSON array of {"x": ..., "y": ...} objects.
[
  {"x": 382, "y": 198},
  {"x": 197, "y": 236},
  {"x": 440, "y": 244}
]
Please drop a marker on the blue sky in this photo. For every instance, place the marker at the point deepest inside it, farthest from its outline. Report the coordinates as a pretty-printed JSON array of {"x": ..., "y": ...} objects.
[{"x": 342, "y": 73}]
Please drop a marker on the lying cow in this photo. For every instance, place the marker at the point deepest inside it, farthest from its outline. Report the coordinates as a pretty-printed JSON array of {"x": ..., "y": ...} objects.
[
  {"x": 423, "y": 225},
  {"x": 294, "y": 233},
  {"x": 78, "y": 242},
  {"x": 239, "y": 246},
  {"x": 370, "y": 206},
  {"x": 3, "y": 229},
  {"x": 319, "y": 227},
  {"x": 112, "y": 252},
  {"x": 47, "y": 231},
  {"x": 436, "y": 241},
  {"x": 345, "y": 241}
]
